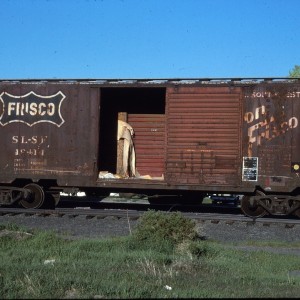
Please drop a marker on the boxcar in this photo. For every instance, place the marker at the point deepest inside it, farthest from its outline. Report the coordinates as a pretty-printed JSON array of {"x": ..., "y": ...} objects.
[{"x": 171, "y": 136}]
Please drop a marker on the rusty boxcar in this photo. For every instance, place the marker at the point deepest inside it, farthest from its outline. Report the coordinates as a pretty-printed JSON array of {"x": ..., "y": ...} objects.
[{"x": 179, "y": 136}]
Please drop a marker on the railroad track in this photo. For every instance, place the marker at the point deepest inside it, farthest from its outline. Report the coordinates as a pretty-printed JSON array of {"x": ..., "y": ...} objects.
[{"x": 131, "y": 214}]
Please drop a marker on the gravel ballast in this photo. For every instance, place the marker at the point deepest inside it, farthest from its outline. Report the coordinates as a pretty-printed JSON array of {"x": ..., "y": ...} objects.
[{"x": 222, "y": 231}]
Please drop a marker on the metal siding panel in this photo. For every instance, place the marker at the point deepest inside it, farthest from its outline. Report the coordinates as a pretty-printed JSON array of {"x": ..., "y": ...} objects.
[
  {"x": 271, "y": 134},
  {"x": 203, "y": 139},
  {"x": 45, "y": 150},
  {"x": 149, "y": 142}
]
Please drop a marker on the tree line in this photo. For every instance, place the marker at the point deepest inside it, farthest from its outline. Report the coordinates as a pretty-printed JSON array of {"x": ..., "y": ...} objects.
[{"x": 295, "y": 72}]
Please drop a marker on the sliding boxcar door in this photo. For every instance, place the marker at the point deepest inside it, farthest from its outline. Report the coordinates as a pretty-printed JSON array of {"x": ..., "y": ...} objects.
[{"x": 203, "y": 136}]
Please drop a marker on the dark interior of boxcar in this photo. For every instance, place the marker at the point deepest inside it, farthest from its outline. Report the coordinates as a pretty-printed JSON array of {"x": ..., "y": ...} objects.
[{"x": 120, "y": 99}]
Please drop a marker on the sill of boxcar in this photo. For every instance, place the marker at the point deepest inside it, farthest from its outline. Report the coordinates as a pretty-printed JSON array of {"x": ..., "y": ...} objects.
[
  {"x": 106, "y": 178},
  {"x": 107, "y": 175}
]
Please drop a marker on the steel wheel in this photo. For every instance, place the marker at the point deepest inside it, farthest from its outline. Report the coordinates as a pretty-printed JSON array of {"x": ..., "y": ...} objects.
[
  {"x": 253, "y": 211},
  {"x": 297, "y": 213},
  {"x": 36, "y": 197}
]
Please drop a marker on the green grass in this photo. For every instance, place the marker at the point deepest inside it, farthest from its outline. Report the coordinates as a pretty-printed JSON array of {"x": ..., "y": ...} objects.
[
  {"x": 206, "y": 200},
  {"x": 43, "y": 265}
]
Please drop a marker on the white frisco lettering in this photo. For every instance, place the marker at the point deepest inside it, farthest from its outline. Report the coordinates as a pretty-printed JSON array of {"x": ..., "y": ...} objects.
[
  {"x": 269, "y": 130},
  {"x": 293, "y": 122},
  {"x": 266, "y": 129},
  {"x": 249, "y": 116},
  {"x": 51, "y": 109},
  {"x": 21, "y": 109}
]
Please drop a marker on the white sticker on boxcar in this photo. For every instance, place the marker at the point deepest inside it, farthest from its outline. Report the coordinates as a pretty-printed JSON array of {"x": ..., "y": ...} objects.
[{"x": 250, "y": 168}]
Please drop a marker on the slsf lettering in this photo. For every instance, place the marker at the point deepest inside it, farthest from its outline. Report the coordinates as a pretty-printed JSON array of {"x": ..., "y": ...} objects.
[
  {"x": 30, "y": 145},
  {"x": 35, "y": 140}
]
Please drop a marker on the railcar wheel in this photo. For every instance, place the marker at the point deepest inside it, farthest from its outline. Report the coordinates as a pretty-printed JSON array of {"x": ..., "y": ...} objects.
[
  {"x": 36, "y": 197},
  {"x": 252, "y": 211},
  {"x": 51, "y": 200},
  {"x": 297, "y": 213}
]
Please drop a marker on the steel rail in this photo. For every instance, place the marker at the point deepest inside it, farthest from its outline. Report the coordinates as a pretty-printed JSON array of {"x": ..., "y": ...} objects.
[{"x": 134, "y": 215}]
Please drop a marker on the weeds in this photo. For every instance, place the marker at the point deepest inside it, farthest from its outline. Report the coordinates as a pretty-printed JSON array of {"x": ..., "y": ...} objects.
[
  {"x": 166, "y": 230},
  {"x": 163, "y": 258}
]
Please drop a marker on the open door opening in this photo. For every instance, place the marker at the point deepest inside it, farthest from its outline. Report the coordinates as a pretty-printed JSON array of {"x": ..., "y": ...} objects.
[{"x": 143, "y": 110}]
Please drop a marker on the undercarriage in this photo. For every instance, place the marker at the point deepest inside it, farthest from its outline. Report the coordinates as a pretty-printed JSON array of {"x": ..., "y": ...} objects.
[{"x": 260, "y": 205}]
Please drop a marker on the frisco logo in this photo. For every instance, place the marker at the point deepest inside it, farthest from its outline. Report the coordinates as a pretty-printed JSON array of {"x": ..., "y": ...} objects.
[
  {"x": 32, "y": 109},
  {"x": 267, "y": 129}
]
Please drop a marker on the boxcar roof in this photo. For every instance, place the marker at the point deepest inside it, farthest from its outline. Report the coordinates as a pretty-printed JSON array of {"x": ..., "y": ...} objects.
[{"x": 158, "y": 81}]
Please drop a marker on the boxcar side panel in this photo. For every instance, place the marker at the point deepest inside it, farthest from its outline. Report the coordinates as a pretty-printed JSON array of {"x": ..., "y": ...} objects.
[
  {"x": 204, "y": 136},
  {"x": 271, "y": 131},
  {"x": 49, "y": 132}
]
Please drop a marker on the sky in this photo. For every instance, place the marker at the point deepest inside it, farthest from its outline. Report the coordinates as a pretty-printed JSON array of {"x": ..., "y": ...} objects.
[{"x": 143, "y": 39}]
